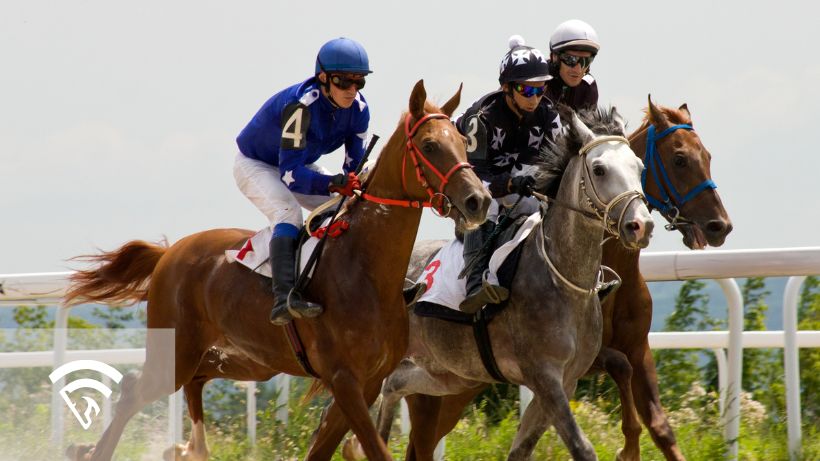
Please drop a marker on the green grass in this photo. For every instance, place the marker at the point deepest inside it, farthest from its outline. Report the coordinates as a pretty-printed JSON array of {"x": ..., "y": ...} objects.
[{"x": 696, "y": 424}]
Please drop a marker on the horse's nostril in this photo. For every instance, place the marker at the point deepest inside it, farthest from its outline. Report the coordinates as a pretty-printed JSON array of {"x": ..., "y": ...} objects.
[
  {"x": 633, "y": 226},
  {"x": 717, "y": 226},
  {"x": 650, "y": 226},
  {"x": 471, "y": 204}
]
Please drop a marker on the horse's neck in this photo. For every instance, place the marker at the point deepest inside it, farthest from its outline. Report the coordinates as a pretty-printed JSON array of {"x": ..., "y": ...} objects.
[
  {"x": 391, "y": 230},
  {"x": 621, "y": 259},
  {"x": 573, "y": 240}
]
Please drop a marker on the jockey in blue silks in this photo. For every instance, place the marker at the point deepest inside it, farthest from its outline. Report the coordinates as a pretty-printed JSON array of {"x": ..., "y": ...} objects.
[{"x": 275, "y": 167}]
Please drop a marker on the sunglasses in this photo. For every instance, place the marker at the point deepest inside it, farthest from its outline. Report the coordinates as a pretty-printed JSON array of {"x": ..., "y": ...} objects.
[
  {"x": 346, "y": 82},
  {"x": 571, "y": 60},
  {"x": 529, "y": 91}
]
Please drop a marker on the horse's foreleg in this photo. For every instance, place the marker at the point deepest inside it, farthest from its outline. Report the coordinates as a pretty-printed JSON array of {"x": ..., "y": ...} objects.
[
  {"x": 552, "y": 398},
  {"x": 352, "y": 413},
  {"x": 450, "y": 411},
  {"x": 197, "y": 448},
  {"x": 534, "y": 423},
  {"x": 648, "y": 403},
  {"x": 423, "y": 417},
  {"x": 352, "y": 449},
  {"x": 617, "y": 365}
]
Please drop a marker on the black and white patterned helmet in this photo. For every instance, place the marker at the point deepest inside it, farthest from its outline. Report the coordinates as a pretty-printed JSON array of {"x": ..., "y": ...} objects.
[
  {"x": 574, "y": 35},
  {"x": 523, "y": 64}
]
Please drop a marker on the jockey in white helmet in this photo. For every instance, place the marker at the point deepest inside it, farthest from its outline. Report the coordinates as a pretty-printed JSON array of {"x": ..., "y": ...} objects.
[{"x": 573, "y": 47}]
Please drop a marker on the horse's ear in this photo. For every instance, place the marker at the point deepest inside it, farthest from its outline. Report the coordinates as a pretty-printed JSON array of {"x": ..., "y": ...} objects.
[
  {"x": 616, "y": 117},
  {"x": 450, "y": 106},
  {"x": 417, "y": 100},
  {"x": 656, "y": 116},
  {"x": 685, "y": 109},
  {"x": 585, "y": 135}
]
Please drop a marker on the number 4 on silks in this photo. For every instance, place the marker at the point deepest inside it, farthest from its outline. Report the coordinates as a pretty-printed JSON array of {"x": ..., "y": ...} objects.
[
  {"x": 476, "y": 135},
  {"x": 295, "y": 123}
]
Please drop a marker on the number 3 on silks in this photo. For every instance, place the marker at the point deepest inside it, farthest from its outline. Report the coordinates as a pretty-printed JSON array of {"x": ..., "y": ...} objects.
[
  {"x": 476, "y": 135},
  {"x": 295, "y": 123},
  {"x": 430, "y": 271}
]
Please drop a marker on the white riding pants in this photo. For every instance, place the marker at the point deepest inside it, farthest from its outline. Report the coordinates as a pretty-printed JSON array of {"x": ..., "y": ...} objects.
[{"x": 262, "y": 185}]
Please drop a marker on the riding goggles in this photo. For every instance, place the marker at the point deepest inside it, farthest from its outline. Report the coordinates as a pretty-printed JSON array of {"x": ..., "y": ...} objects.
[
  {"x": 346, "y": 82},
  {"x": 529, "y": 91},
  {"x": 571, "y": 60}
]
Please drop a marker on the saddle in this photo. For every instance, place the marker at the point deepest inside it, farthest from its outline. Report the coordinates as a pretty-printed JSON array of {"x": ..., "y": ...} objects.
[{"x": 505, "y": 232}]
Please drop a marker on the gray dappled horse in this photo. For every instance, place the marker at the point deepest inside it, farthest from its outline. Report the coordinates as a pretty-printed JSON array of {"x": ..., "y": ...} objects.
[{"x": 550, "y": 333}]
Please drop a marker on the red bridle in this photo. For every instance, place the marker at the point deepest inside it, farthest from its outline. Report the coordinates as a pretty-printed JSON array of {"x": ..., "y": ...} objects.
[{"x": 441, "y": 205}]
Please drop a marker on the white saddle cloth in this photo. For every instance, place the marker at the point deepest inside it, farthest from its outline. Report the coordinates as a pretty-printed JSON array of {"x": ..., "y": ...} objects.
[
  {"x": 255, "y": 252},
  {"x": 441, "y": 274}
]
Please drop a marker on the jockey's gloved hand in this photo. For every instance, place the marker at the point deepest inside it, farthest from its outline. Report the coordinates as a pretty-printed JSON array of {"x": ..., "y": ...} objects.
[
  {"x": 345, "y": 184},
  {"x": 522, "y": 185}
]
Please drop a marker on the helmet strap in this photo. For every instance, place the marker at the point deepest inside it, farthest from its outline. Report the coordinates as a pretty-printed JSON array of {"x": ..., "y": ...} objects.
[
  {"x": 326, "y": 84},
  {"x": 522, "y": 114}
]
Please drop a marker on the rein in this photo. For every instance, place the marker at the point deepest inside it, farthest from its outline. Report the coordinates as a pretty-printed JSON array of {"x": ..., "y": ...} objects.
[
  {"x": 438, "y": 201},
  {"x": 594, "y": 202},
  {"x": 669, "y": 204}
]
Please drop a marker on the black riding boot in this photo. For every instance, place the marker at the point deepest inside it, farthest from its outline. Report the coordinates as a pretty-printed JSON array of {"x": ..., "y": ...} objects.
[
  {"x": 479, "y": 292},
  {"x": 287, "y": 304}
]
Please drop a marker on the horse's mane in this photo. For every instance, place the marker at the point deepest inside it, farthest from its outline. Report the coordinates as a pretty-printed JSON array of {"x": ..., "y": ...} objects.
[{"x": 555, "y": 156}]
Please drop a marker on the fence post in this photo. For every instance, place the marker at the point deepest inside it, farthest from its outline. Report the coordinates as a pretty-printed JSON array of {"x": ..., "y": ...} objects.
[{"x": 791, "y": 364}]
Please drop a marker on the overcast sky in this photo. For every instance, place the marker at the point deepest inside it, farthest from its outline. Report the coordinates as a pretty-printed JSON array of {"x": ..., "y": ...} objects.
[{"x": 118, "y": 119}]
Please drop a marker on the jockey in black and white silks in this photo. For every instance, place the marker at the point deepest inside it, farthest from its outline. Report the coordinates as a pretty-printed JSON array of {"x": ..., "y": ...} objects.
[{"x": 505, "y": 130}]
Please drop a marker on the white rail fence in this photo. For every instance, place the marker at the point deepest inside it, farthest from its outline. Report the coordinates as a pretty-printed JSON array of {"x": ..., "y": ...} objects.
[{"x": 721, "y": 265}]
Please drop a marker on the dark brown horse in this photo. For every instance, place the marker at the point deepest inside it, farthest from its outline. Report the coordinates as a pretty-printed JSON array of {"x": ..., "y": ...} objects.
[
  {"x": 627, "y": 314},
  {"x": 220, "y": 310}
]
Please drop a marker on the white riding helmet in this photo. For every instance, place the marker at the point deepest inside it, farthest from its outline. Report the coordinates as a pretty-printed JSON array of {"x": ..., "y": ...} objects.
[{"x": 574, "y": 35}]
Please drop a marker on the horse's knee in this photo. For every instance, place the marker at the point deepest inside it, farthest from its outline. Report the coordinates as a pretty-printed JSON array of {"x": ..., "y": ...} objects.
[{"x": 618, "y": 366}]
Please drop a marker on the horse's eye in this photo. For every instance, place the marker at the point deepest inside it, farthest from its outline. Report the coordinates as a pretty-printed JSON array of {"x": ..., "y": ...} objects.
[
  {"x": 680, "y": 161},
  {"x": 428, "y": 147},
  {"x": 598, "y": 170}
]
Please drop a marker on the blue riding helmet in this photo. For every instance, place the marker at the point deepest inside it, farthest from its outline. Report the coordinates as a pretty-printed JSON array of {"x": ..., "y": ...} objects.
[{"x": 342, "y": 55}]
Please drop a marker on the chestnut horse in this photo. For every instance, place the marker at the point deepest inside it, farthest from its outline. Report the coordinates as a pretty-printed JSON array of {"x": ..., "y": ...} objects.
[
  {"x": 627, "y": 314},
  {"x": 220, "y": 310}
]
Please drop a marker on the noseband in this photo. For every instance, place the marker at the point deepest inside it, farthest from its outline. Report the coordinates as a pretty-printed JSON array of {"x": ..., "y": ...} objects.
[
  {"x": 603, "y": 209},
  {"x": 601, "y": 212},
  {"x": 438, "y": 201},
  {"x": 669, "y": 204}
]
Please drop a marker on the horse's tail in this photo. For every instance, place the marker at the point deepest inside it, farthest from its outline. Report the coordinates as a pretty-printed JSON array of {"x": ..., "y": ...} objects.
[{"x": 120, "y": 277}]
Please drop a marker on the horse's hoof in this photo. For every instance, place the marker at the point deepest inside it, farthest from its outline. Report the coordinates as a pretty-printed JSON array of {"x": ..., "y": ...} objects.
[
  {"x": 81, "y": 452},
  {"x": 352, "y": 450},
  {"x": 173, "y": 453},
  {"x": 619, "y": 456}
]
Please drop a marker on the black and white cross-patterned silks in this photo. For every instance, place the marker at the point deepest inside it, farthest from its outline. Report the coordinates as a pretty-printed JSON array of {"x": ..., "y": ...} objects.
[
  {"x": 499, "y": 144},
  {"x": 523, "y": 63}
]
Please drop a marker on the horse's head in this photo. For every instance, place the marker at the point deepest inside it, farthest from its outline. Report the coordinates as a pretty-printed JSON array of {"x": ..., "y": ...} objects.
[
  {"x": 609, "y": 177},
  {"x": 434, "y": 169},
  {"x": 678, "y": 179}
]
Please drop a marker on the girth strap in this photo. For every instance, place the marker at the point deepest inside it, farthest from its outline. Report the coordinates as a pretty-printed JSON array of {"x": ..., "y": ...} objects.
[
  {"x": 485, "y": 347},
  {"x": 478, "y": 321},
  {"x": 298, "y": 348}
]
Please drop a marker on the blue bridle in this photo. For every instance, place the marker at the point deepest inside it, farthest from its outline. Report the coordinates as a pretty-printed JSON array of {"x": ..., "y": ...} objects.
[{"x": 668, "y": 205}]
